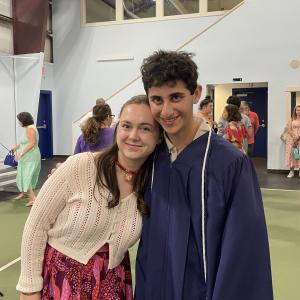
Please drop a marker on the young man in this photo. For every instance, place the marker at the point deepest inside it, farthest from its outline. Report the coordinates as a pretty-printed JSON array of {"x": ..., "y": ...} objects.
[
  {"x": 254, "y": 122},
  {"x": 206, "y": 236}
]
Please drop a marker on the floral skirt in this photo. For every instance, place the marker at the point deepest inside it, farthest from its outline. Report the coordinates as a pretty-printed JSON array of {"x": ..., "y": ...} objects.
[{"x": 67, "y": 279}]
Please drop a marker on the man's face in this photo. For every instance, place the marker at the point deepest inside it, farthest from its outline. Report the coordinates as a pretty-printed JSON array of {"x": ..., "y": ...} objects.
[
  {"x": 172, "y": 107},
  {"x": 246, "y": 110},
  {"x": 243, "y": 108}
]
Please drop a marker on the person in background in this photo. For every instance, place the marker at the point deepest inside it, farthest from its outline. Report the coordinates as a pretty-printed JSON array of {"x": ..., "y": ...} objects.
[
  {"x": 88, "y": 213},
  {"x": 254, "y": 119},
  {"x": 28, "y": 157},
  {"x": 235, "y": 100},
  {"x": 235, "y": 131},
  {"x": 205, "y": 112},
  {"x": 99, "y": 101},
  {"x": 293, "y": 140},
  {"x": 96, "y": 131}
]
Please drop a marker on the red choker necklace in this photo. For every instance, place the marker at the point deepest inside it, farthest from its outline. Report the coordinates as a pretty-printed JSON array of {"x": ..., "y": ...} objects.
[{"x": 128, "y": 174}]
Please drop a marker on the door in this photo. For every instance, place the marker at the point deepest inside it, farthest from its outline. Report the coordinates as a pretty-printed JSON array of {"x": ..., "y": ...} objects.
[
  {"x": 258, "y": 102},
  {"x": 293, "y": 101},
  {"x": 44, "y": 125}
]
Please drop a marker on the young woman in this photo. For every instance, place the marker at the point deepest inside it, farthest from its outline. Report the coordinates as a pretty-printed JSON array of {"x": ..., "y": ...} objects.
[
  {"x": 28, "y": 157},
  {"x": 293, "y": 140},
  {"x": 235, "y": 131},
  {"x": 96, "y": 131},
  {"x": 87, "y": 214}
]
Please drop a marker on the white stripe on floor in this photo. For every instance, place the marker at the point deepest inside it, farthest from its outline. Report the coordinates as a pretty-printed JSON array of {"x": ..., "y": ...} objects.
[
  {"x": 279, "y": 190},
  {"x": 10, "y": 264}
]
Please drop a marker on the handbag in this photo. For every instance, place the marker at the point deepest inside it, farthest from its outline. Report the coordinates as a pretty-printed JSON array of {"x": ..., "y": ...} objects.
[
  {"x": 10, "y": 160},
  {"x": 295, "y": 152}
]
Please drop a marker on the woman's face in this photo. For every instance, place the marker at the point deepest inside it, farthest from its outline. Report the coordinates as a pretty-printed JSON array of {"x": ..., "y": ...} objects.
[
  {"x": 137, "y": 134},
  {"x": 19, "y": 123},
  {"x": 108, "y": 121}
]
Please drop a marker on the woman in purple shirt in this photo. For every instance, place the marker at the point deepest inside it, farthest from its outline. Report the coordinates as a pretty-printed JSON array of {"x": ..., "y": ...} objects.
[{"x": 96, "y": 131}]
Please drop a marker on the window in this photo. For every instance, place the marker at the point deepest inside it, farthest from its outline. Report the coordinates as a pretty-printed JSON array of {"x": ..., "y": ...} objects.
[
  {"x": 100, "y": 11},
  {"x": 217, "y": 5},
  {"x": 6, "y": 27},
  {"x": 180, "y": 7},
  {"x": 135, "y": 9},
  {"x": 97, "y": 11},
  {"x": 48, "y": 49}
]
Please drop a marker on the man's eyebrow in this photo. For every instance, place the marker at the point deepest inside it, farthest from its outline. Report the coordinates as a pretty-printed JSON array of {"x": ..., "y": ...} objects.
[
  {"x": 176, "y": 94},
  {"x": 155, "y": 97}
]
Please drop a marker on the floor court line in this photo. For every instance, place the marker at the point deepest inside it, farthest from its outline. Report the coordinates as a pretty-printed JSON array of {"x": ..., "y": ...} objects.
[
  {"x": 10, "y": 264},
  {"x": 279, "y": 190}
]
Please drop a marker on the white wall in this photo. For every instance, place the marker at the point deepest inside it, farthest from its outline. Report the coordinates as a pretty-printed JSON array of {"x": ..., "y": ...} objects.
[
  {"x": 19, "y": 90},
  {"x": 7, "y": 111},
  {"x": 256, "y": 42},
  {"x": 79, "y": 79}
]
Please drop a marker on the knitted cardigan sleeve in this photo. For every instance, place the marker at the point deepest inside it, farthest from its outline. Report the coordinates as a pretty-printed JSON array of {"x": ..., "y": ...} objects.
[{"x": 49, "y": 203}]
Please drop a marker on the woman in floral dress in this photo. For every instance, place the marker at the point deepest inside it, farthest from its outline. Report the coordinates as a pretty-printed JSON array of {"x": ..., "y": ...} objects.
[
  {"x": 235, "y": 131},
  {"x": 293, "y": 140}
]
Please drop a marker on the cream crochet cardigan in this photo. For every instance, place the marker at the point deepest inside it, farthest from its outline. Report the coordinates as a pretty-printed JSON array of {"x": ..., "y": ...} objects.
[{"x": 68, "y": 217}]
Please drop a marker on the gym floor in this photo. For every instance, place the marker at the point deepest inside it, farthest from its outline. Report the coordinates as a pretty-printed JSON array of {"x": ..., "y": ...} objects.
[{"x": 281, "y": 198}]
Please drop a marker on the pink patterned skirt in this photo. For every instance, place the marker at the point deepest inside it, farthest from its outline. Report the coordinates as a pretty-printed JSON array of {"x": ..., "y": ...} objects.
[{"x": 68, "y": 279}]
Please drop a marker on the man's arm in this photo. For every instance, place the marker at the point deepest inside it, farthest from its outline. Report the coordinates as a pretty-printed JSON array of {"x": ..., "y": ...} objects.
[{"x": 244, "y": 270}]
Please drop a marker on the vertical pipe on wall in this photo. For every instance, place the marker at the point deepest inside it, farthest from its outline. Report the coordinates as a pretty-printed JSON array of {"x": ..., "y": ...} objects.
[{"x": 15, "y": 98}]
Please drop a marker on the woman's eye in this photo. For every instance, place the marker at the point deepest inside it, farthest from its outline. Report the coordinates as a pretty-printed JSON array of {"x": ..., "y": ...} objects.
[
  {"x": 125, "y": 126},
  {"x": 146, "y": 129}
]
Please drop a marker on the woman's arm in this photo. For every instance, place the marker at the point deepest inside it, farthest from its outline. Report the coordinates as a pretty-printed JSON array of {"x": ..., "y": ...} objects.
[
  {"x": 14, "y": 149},
  {"x": 290, "y": 130},
  {"x": 31, "y": 135},
  {"x": 49, "y": 203}
]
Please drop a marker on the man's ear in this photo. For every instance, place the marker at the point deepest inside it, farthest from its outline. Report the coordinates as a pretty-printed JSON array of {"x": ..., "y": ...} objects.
[{"x": 197, "y": 94}]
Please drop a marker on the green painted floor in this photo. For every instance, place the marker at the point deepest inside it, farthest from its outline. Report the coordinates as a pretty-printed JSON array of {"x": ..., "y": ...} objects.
[{"x": 282, "y": 210}]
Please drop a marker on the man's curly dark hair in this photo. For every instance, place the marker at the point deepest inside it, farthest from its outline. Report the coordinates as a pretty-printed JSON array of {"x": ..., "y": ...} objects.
[{"x": 164, "y": 67}]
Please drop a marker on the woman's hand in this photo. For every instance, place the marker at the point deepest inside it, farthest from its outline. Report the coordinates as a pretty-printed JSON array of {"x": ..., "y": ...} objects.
[
  {"x": 30, "y": 296},
  {"x": 14, "y": 149},
  {"x": 17, "y": 158}
]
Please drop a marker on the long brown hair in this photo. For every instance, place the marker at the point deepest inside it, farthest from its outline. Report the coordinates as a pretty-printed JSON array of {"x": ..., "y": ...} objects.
[
  {"x": 106, "y": 171},
  {"x": 294, "y": 115},
  {"x": 92, "y": 128}
]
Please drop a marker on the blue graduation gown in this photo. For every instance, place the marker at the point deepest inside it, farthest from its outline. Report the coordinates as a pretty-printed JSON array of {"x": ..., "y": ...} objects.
[{"x": 170, "y": 264}]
